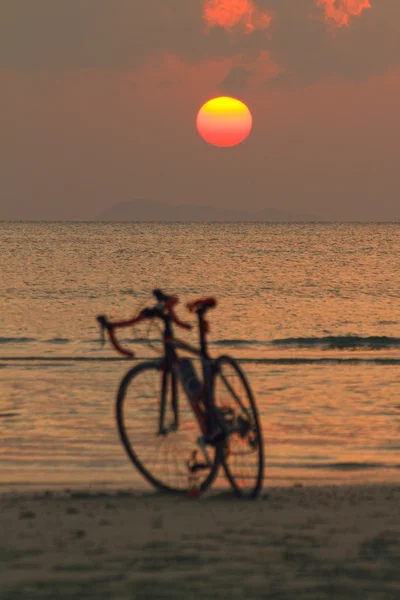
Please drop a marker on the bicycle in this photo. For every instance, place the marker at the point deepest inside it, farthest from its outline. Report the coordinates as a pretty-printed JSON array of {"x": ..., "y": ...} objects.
[{"x": 218, "y": 419}]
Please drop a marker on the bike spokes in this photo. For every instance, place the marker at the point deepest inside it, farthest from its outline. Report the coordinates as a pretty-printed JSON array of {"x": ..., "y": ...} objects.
[
  {"x": 160, "y": 454},
  {"x": 243, "y": 453}
]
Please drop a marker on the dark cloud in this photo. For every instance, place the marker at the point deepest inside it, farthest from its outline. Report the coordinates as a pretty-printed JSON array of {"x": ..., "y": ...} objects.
[
  {"x": 310, "y": 50},
  {"x": 51, "y": 35}
]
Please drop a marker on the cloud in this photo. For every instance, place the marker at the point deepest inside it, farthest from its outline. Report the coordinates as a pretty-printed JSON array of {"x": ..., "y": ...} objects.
[
  {"x": 122, "y": 35},
  {"x": 304, "y": 46},
  {"x": 235, "y": 14},
  {"x": 340, "y": 12}
]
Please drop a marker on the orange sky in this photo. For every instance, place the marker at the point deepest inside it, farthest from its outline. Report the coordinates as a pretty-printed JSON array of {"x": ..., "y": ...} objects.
[
  {"x": 248, "y": 16},
  {"x": 340, "y": 12},
  {"x": 242, "y": 14},
  {"x": 109, "y": 113}
]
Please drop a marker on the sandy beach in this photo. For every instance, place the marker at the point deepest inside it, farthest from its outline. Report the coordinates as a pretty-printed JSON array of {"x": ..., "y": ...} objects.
[{"x": 300, "y": 542}]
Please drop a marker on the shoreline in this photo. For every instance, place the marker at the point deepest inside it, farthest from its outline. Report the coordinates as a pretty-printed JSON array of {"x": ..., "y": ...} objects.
[
  {"x": 303, "y": 542},
  {"x": 39, "y": 489},
  {"x": 343, "y": 475}
]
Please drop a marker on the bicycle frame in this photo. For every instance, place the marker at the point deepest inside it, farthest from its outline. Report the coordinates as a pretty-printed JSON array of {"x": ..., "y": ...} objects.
[{"x": 169, "y": 368}]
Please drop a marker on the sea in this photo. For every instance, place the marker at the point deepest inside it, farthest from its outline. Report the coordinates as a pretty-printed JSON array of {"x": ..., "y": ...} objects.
[{"x": 311, "y": 311}]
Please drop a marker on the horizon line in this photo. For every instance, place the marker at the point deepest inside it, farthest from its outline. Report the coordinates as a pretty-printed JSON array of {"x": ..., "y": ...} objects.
[{"x": 189, "y": 222}]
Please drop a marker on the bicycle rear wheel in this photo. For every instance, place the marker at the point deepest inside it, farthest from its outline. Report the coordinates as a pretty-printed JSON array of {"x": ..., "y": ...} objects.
[
  {"x": 161, "y": 459},
  {"x": 244, "y": 453}
]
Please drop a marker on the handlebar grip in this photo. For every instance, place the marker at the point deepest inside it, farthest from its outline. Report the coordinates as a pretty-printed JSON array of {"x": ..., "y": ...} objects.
[
  {"x": 106, "y": 324},
  {"x": 103, "y": 321},
  {"x": 160, "y": 296}
]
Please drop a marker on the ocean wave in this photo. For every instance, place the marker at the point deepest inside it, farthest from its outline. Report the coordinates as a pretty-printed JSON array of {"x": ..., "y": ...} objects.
[
  {"x": 235, "y": 342},
  {"x": 335, "y": 466},
  {"x": 140, "y": 340},
  {"x": 16, "y": 340},
  {"x": 346, "y": 342},
  {"x": 8, "y": 415},
  {"x": 318, "y": 360},
  {"x": 330, "y": 342}
]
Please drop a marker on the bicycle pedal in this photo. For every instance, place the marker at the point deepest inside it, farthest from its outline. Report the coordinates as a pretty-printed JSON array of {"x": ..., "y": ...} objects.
[
  {"x": 198, "y": 467},
  {"x": 216, "y": 436},
  {"x": 243, "y": 426}
]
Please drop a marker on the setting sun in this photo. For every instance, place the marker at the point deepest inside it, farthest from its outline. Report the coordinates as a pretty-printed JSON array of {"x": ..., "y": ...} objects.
[{"x": 224, "y": 122}]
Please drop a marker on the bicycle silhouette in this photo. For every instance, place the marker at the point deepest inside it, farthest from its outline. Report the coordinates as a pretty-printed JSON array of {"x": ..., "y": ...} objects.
[{"x": 168, "y": 415}]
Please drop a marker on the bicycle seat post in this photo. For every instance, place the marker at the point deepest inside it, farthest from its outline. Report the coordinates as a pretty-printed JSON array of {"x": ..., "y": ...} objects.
[{"x": 203, "y": 330}]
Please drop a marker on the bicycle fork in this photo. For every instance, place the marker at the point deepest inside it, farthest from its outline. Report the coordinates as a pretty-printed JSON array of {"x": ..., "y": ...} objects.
[{"x": 164, "y": 429}]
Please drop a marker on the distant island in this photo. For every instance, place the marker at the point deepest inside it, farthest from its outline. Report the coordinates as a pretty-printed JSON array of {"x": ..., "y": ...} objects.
[{"x": 152, "y": 210}]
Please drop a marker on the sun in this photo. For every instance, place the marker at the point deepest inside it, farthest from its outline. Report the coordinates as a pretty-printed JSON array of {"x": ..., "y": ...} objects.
[{"x": 224, "y": 122}]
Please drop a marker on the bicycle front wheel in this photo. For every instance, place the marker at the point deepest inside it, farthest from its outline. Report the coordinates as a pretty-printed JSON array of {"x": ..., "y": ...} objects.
[
  {"x": 244, "y": 453},
  {"x": 160, "y": 458}
]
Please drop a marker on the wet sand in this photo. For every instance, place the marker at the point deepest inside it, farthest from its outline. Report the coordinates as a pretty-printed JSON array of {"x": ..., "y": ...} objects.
[{"x": 298, "y": 543}]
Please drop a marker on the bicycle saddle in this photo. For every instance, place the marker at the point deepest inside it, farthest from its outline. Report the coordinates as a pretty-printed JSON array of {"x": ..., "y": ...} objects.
[{"x": 202, "y": 304}]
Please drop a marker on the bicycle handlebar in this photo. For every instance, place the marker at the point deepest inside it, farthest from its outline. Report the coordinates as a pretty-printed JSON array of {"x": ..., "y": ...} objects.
[
  {"x": 161, "y": 297},
  {"x": 164, "y": 308},
  {"x": 105, "y": 324}
]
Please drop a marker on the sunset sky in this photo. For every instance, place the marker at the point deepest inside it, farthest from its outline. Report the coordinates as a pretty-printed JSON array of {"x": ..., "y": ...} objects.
[{"x": 98, "y": 104}]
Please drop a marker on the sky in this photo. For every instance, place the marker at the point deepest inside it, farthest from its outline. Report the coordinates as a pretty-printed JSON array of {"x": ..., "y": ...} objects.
[{"x": 98, "y": 105}]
